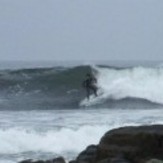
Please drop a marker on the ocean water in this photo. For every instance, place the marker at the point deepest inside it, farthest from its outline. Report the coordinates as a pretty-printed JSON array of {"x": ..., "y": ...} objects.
[{"x": 44, "y": 113}]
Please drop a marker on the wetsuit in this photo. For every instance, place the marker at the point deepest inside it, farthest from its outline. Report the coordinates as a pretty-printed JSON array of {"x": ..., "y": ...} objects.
[{"x": 90, "y": 85}]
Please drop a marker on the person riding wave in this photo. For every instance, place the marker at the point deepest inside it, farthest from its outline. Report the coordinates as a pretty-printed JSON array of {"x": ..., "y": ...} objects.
[{"x": 90, "y": 85}]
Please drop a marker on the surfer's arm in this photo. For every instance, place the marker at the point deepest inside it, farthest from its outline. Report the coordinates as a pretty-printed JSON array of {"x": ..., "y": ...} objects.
[{"x": 94, "y": 79}]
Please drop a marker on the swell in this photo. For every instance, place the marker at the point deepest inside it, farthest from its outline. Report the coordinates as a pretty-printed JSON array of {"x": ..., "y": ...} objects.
[
  {"x": 43, "y": 79},
  {"x": 45, "y": 88}
]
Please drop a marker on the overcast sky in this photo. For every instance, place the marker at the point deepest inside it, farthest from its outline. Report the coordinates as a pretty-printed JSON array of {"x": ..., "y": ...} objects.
[{"x": 81, "y": 29}]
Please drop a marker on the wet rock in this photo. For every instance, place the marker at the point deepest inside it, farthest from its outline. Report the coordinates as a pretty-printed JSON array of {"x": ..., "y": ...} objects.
[
  {"x": 72, "y": 161},
  {"x": 55, "y": 160},
  {"x": 58, "y": 160},
  {"x": 39, "y": 161},
  {"x": 31, "y": 161},
  {"x": 133, "y": 143},
  {"x": 88, "y": 155},
  {"x": 119, "y": 160},
  {"x": 114, "y": 160},
  {"x": 154, "y": 161},
  {"x": 126, "y": 145},
  {"x": 26, "y": 161}
]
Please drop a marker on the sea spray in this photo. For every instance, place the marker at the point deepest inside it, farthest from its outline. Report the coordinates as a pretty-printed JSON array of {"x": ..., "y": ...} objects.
[
  {"x": 60, "y": 141},
  {"x": 137, "y": 82}
]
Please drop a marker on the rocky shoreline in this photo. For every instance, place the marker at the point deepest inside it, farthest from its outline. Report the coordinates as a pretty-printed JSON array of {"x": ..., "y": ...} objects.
[{"x": 140, "y": 144}]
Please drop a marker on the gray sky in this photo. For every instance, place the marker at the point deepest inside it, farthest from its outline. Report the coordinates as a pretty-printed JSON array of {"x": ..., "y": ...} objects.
[{"x": 81, "y": 29}]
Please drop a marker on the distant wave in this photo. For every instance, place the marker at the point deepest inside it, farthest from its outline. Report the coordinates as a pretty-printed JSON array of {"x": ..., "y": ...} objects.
[{"x": 60, "y": 87}]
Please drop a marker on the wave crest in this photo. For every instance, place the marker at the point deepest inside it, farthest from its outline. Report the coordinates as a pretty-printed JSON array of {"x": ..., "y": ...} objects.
[{"x": 138, "y": 83}]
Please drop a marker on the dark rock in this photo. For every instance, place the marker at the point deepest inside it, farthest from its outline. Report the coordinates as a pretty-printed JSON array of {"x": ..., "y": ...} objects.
[
  {"x": 73, "y": 161},
  {"x": 154, "y": 161},
  {"x": 26, "y": 161},
  {"x": 114, "y": 160},
  {"x": 133, "y": 143},
  {"x": 39, "y": 161},
  {"x": 55, "y": 160},
  {"x": 105, "y": 161},
  {"x": 31, "y": 161},
  {"x": 58, "y": 160},
  {"x": 119, "y": 160},
  {"x": 88, "y": 155}
]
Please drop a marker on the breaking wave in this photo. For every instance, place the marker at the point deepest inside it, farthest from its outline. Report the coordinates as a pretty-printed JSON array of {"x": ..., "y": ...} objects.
[
  {"x": 57, "y": 142},
  {"x": 60, "y": 87}
]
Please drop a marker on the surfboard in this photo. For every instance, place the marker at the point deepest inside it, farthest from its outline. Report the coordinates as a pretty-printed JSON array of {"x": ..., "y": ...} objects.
[{"x": 93, "y": 100}]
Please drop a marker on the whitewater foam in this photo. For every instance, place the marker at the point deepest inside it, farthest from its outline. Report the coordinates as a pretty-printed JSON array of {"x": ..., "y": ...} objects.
[
  {"x": 138, "y": 82},
  {"x": 6, "y": 161},
  {"x": 58, "y": 142},
  {"x": 80, "y": 129},
  {"x": 48, "y": 134}
]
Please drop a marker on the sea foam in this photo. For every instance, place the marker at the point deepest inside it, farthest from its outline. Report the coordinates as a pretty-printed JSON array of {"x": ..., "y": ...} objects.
[
  {"x": 137, "y": 82},
  {"x": 16, "y": 140}
]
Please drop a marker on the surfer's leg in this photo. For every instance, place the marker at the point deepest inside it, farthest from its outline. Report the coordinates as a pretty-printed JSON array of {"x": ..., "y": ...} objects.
[
  {"x": 94, "y": 88},
  {"x": 95, "y": 92},
  {"x": 88, "y": 93}
]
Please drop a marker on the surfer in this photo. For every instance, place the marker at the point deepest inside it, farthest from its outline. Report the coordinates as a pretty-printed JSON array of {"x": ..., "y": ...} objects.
[{"x": 90, "y": 84}]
